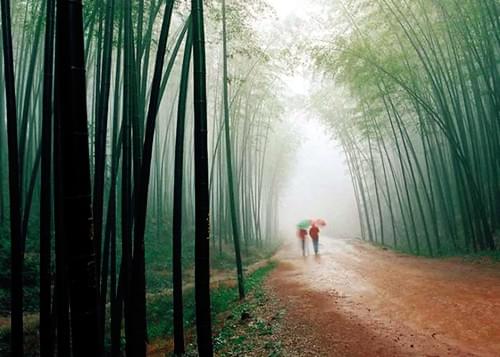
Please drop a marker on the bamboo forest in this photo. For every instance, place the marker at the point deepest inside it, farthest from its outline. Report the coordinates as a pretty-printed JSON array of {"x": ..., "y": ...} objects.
[{"x": 250, "y": 178}]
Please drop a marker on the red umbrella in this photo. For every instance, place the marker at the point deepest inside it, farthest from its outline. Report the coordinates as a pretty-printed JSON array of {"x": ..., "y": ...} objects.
[{"x": 320, "y": 222}]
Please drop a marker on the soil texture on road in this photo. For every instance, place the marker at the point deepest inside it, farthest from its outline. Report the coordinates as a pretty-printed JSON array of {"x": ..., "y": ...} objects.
[{"x": 356, "y": 299}]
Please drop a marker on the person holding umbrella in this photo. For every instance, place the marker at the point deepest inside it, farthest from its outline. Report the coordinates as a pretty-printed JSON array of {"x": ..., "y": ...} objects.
[
  {"x": 302, "y": 233},
  {"x": 314, "y": 233}
]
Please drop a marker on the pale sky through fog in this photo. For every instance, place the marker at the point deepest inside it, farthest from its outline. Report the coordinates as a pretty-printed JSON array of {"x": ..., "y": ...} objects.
[
  {"x": 286, "y": 7},
  {"x": 318, "y": 184}
]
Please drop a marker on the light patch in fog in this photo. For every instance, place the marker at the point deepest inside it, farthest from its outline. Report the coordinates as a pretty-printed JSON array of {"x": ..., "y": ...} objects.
[
  {"x": 318, "y": 185},
  {"x": 285, "y": 8}
]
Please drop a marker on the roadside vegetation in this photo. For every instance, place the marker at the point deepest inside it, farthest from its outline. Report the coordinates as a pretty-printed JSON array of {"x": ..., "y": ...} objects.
[
  {"x": 140, "y": 145},
  {"x": 415, "y": 106},
  {"x": 143, "y": 148}
]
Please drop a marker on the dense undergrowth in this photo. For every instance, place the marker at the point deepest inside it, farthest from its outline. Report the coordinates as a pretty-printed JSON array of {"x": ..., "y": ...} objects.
[
  {"x": 159, "y": 287},
  {"x": 239, "y": 329}
]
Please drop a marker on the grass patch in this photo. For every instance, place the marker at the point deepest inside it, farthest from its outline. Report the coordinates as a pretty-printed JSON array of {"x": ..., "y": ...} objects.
[
  {"x": 224, "y": 259},
  {"x": 491, "y": 255},
  {"x": 447, "y": 251},
  {"x": 251, "y": 325},
  {"x": 159, "y": 298},
  {"x": 223, "y": 299}
]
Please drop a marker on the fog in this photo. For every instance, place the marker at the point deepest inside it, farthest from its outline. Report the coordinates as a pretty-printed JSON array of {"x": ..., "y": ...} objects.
[{"x": 318, "y": 184}]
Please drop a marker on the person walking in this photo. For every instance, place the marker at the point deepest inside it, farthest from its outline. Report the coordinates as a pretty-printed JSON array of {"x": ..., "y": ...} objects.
[
  {"x": 314, "y": 233},
  {"x": 302, "y": 234}
]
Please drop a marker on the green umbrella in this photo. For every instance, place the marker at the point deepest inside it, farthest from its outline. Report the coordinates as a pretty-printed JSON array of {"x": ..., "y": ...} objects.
[{"x": 304, "y": 224}]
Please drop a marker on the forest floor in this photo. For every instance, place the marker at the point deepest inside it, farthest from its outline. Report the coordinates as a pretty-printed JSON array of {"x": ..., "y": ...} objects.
[{"x": 356, "y": 299}]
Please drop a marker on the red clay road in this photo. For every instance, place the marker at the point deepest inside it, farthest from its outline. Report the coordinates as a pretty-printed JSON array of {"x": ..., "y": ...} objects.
[{"x": 359, "y": 300}]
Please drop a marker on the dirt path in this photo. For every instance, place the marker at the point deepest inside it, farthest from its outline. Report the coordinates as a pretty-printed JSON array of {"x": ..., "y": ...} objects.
[{"x": 359, "y": 300}]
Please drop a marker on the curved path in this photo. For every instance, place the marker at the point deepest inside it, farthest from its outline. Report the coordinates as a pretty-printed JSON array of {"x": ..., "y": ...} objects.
[{"x": 359, "y": 300}]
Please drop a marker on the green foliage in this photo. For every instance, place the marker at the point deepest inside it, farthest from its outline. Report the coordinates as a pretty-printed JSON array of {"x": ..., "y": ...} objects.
[
  {"x": 417, "y": 119},
  {"x": 255, "y": 137},
  {"x": 160, "y": 306},
  {"x": 30, "y": 279},
  {"x": 230, "y": 337},
  {"x": 225, "y": 259}
]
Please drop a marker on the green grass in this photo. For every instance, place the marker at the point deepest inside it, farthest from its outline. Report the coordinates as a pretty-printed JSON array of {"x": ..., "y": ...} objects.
[
  {"x": 447, "y": 251},
  {"x": 494, "y": 255},
  {"x": 158, "y": 277},
  {"x": 160, "y": 308},
  {"x": 225, "y": 260},
  {"x": 238, "y": 337}
]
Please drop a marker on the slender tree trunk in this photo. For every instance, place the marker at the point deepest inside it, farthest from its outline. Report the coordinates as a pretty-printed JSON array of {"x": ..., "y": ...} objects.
[
  {"x": 177, "y": 212},
  {"x": 232, "y": 200},
  {"x": 202, "y": 194},
  {"x": 375, "y": 182},
  {"x": 46, "y": 337},
  {"x": 17, "y": 348},
  {"x": 71, "y": 120},
  {"x": 115, "y": 298},
  {"x": 3, "y": 149},
  {"x": 125, "y": 282},
  {"x": 101, "y": 123},
  {"x": 141, "y": 195}
]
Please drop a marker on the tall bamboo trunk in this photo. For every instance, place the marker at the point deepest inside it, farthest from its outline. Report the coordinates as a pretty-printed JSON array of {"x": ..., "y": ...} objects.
[
  {"x": 125, "y": 280},
  {"x": 232, "y": 200},
  {"x": 46, "y": 338},
  {"x": 177, "y": 211},
  {"x": 141, "y": 195},
  {"x": 76, "y": 228},
  {"x": 202, "y": 194},
  {"x": 17, "y": 348}
]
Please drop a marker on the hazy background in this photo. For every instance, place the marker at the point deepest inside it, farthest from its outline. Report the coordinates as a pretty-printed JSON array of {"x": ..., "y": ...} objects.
[{"x": 318, "y": 185}]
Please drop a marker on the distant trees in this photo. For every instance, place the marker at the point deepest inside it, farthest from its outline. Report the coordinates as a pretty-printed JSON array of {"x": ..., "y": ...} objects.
[
  {"x": 421, "y": 131},
  {"x": 246, "y": 116}
]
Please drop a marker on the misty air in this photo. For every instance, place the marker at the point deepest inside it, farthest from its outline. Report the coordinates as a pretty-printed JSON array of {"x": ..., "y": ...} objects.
[{"x": 249, "y": 178}]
